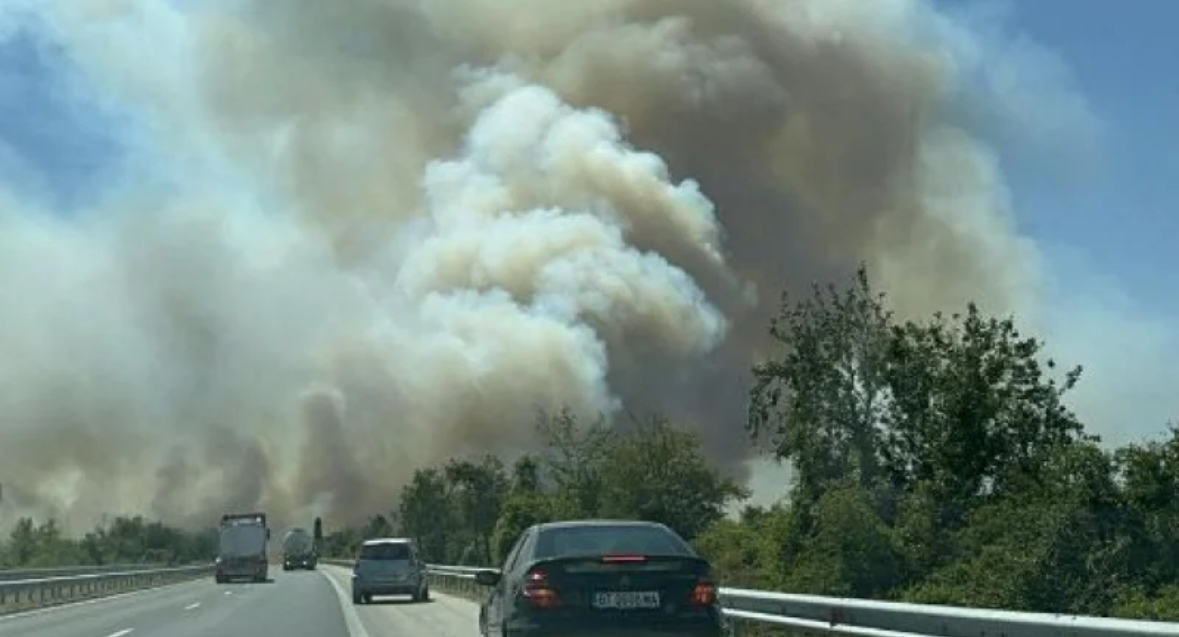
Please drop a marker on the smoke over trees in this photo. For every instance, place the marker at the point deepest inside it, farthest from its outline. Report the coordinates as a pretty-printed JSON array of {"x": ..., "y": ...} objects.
[
  {"x": 934, "y": 462},
  {"x": 341, "y": 242}
]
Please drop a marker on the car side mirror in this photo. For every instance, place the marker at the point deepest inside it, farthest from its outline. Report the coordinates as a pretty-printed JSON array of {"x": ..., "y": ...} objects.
[{"x": 487, "y": 578}]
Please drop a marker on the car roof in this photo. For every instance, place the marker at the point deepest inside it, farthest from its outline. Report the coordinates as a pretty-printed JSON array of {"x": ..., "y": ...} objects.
[
  {"x": 387, "y": 540},
  {"x": 572, "y": 524}
]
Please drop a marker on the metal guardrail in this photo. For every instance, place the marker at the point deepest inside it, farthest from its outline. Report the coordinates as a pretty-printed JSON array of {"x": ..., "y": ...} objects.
[
  {"x": 10, "y": 574},
  {"x": 24, "y": 594},
  {"x": 749, "y": 610}
]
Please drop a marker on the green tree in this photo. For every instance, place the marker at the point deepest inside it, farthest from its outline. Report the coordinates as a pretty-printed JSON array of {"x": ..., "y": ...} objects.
[
  {"x": 521, "y": 510},
  {"x": 426, "y": 513},
  {"x": 576, "y": 458},
  {"x": 961, "y": 406},
  {"x": 378, "y": 526},
  {"x": 747, "y": 552},
  {"x": 972, "y": 412},
  {"x": 1149, "y": 474},
  {"x": 525, "y": 505},
  {"x": 659, "y": 473},
  {"x": 478, "y": 490},
  {"x": 526, "y": 475},
  {"x": 848, "y": 551},
  {"x": 124, "y": 540},
  {"x": 1055, "y": 547},
  {"x": 343, "y": 543},
  {"x": 820, "y": 402},
  {"x": 22, "y": 542}
]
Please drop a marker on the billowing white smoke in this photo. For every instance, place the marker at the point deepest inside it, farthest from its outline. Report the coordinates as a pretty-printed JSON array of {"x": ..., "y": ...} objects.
[
  {"x": 200, "y": 329},
  {"x": 356, "y": 238}
]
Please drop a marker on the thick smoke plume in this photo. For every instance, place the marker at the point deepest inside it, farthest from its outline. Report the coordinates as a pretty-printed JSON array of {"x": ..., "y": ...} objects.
[{"x": 354, "y": 238}]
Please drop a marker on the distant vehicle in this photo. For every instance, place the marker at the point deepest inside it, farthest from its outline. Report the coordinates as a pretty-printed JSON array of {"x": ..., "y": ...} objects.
[
  {"x": 298, "y": 550},
  {"x": 611, "y": 577},
  {"x": 242, "y": 550},
  {"x": 389, "y": 566}
]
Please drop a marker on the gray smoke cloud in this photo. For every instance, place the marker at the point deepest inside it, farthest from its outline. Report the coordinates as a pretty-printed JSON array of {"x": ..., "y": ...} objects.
[{"x": 356, "y": 238}]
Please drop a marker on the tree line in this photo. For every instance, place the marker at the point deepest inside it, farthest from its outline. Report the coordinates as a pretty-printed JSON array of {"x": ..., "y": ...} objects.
[
  {"x": 934, "y": 460},
  {"x": 124, "y": 540}
]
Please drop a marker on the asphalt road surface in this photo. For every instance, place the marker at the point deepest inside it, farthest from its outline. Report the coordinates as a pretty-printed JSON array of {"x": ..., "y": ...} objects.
[{"x": 296, "y": 604}]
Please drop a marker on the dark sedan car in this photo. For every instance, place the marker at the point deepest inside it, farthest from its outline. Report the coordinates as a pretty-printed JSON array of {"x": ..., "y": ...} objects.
[{"x": 600, "y": 577}]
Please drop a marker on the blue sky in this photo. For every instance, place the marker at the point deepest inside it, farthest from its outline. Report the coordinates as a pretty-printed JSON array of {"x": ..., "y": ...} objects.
[
  {"x": 1124, "y": 216},
  {"x": 59, "y": 146}
]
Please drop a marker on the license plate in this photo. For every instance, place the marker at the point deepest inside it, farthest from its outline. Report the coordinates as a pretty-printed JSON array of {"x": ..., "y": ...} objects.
[{"x": 626, "y": 600}]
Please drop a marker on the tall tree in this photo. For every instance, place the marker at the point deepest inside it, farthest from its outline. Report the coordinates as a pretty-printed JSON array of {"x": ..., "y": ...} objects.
[
  {"x": 576, "y": 457},
  {"x": 659, "y": 473},
  {"x": 479, "y": 489},
  {"x": 22, "y": 542},
  {"x": 426, "y": 514},
  {"x": 972, "y": 411},
  {"x": 961, "y": 406},
  {"x": 526, "y": 475},
  {"x": 1149, "y": 473},
  {"x": 821, "y": 401},
  {"x": 521, "y": 510}
]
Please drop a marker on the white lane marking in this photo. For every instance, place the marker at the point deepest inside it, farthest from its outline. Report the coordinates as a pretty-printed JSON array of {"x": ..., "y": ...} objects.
[
  {"x": 90, "y": 602},
  {"x": 193, "y": 606},
  {"x": 125, "y": 631},
  {"x": 227, "y": 593},
  {"x": 351, "y": 618}
]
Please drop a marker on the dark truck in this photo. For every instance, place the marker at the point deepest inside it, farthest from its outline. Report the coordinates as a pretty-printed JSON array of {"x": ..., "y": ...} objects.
[
  {"x": 298, "y": 550},
  {"x": 242, "y": 550}
]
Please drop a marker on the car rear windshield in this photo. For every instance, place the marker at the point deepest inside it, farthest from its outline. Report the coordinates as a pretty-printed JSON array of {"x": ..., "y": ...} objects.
[
  {"x": 385, "y": 551},
  {"x": 605, "y": 539}
]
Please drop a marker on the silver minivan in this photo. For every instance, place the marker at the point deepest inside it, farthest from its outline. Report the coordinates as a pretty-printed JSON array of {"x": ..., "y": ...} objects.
[{"x": 389, "y": 566}]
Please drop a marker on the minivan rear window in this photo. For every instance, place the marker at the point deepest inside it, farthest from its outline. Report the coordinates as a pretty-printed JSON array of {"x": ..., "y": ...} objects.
[{"x": 385, "y": 551}]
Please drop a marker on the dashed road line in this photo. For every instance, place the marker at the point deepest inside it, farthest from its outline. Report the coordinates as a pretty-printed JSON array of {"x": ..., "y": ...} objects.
[
  {"x": 193, "y": 606},
  {"x": 121, "y": 633}
]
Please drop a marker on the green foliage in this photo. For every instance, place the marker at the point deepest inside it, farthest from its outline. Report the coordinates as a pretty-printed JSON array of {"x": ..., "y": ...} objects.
[
  {"x": 426, "y": 514},
  {"x": 477, "y": 494},
  {"x": 471, "y": 511},
  {"x": 520, "y": 511},
  {"x": 970, "y": 407},
  {"x": 126, "y": 540},
  {"x": 936, "y": 462},
  {"x": 343, "y": 543},
  {"x": 821, "y": 400},
  {"x": 849, "y": 550},
  {"x": 1162, "y": 606},
  {"x": 659, "y": 473},
  {"x": 959, "y": 405},
  {"x": 747, "y": 552},
  {"x": 576, "y": 462}
]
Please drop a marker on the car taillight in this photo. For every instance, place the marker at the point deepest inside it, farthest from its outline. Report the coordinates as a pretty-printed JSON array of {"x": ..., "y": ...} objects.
[
  {"x": 704, "y": 594},
  {"x": 537, "y": 591}
]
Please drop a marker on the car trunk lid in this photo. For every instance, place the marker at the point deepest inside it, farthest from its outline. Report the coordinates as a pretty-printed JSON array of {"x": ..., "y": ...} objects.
[{"x": 620, "y": 587}]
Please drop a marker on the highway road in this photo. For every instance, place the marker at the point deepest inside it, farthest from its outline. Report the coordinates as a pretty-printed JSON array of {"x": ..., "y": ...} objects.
[{"x": 297, "y": 604}]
